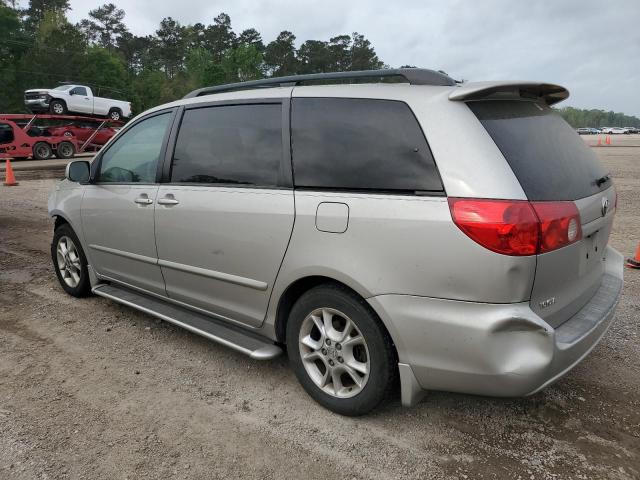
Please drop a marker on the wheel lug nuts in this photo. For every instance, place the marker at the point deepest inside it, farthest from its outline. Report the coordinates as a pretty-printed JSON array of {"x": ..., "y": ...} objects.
[
  {"x": 331, "y": 363},
  {"x": 338, "y": 346},
  {"x": 340, "y": 359},
  {"x": 328, "y": 342},
  {"x": 324, "y": 351}
]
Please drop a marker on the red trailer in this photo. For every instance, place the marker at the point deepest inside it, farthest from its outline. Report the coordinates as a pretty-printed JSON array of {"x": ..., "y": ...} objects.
[{"x": 21, "y": 138}]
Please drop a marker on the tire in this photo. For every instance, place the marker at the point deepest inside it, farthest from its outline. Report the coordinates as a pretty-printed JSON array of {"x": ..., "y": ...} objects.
[
  {"x": 65, "y": 150},
  {"x": 115, "y": 114},
  {"x": 58, "y": 107},
  {"x": 42, "y": 151},
  {"x": 373, "y": 355},
  {"x": 71, "y": 269}
]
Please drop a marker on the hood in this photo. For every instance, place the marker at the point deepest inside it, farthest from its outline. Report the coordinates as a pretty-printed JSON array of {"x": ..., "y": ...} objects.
[{"x": 38, "y": 90}]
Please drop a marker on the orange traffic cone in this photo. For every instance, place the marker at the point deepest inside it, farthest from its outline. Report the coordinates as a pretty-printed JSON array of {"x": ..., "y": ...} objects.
[
  {"x": 599, "y": 141},
  {"x": 608, "y": 140},
  {"x": 635, "y": 261},
  {"x": 10, "y": 179}
]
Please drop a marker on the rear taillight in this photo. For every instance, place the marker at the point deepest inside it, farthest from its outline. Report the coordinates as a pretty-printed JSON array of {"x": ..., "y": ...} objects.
[
  {"x": 559, "y": 224},
  {"x": 517, "y": 227}
]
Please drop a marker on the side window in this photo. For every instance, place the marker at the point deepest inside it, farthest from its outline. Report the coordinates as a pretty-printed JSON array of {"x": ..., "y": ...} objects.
[
  {"x": 235, "y": 144},
  {"x": 134, "y": 156},
  {"x": 360, "y": 144},
  {"x": 6, "y": 133},
  {"x": 79, "y": 91}
]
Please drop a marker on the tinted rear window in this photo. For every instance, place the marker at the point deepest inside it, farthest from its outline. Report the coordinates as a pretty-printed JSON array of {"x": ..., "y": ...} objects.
[
  {"x": 547, "y": 156},
  {"x": 236, "y": 145},
  {"x": 360, "y": 144}
]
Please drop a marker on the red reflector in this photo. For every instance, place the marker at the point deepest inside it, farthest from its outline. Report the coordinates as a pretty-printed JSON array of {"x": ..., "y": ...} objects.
[
  {"x": 559, "y": 224},
  {"x": 517, "y": 227},
  {"x": 509, "y": 227}
]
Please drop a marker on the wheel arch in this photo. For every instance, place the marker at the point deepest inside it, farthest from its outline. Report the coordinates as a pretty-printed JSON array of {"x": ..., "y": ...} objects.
[{"x": 302, "y": 285}]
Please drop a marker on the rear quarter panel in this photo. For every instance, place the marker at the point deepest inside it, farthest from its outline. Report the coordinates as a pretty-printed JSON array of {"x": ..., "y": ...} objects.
[{"x": 400, "y": 245}]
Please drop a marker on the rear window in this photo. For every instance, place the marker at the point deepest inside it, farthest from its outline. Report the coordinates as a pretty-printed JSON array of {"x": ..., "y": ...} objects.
[
  {"x": 549, "y": 159},
  {"x": 360, "y": 144}
]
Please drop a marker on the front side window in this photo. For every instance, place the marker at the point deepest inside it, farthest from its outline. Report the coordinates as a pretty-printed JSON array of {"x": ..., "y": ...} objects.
[
  {"x": 79, "y": 91},
  {"x": 133, "y": 158},
  {"x": 231, "y": 144},
  {"x": 360, "y": 144}
]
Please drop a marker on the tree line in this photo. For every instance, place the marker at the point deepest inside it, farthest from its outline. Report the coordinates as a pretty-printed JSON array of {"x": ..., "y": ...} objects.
[
  {"x": 577, "y": 118},
  {"x": 40, "y": 47}
]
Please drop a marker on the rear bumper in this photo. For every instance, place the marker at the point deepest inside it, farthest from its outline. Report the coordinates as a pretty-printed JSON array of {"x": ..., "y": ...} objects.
[{"x": 493, "y": 349}]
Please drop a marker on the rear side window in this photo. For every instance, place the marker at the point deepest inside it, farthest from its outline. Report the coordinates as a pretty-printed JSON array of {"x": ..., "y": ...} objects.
[
  {"x": 235, "y": 144},
  {"x": 549, "y": 159},
  {"x": 360, "y": 144}
]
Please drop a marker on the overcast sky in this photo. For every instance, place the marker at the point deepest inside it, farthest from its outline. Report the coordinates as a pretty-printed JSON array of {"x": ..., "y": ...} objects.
[{"x": 592, "y": 47}]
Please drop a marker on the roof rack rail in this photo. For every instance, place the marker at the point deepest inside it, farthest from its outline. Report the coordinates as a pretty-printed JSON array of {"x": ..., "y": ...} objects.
[{"x": 413, "y": 76}]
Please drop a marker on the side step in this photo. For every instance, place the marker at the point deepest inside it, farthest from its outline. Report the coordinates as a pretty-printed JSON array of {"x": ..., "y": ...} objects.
[{"x": 243, "y": 341}]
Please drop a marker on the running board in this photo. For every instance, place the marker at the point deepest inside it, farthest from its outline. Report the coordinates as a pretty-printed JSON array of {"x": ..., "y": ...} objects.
[{"x": 246, "y": 342}]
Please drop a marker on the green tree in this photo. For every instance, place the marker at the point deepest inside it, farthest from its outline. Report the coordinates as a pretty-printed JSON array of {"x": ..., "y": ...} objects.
[
  {"x": 363, "y": 56},
  {"x": 280, "y": 55},
  {"x": 219, "y": 37},
  {"x": 105, "y": 25},
  {"x": 170, "y": 46},
  {"x": 36, "y": 10}
]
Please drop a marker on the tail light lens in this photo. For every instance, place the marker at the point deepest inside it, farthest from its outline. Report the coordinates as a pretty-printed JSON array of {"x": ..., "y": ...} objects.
[
  {"x": 559, "y": 224},
  {"x": 517, "y": 227}
]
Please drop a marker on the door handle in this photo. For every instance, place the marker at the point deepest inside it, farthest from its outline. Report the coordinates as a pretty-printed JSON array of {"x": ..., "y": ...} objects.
[
  {"x": 168, "y": 201},
  {"x": 143, "y": 200}
]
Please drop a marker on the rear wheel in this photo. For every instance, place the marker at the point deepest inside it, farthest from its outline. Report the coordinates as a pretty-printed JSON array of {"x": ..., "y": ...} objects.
[
  {"x": 65, "y": 150},
  {"x": 339, "y": 350},
  {"x": 42, "y": 151},
  {"x": 58, "y": 107},
  {"x": 115, "y": 114},
  {"x": 70, "y": 262}
]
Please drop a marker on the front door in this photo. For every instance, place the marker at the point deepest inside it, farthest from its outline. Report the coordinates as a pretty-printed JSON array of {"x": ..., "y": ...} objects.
[
  {"x": 80, "y": 101},
  {"x": 118, "y": 207},
  {"x": 224, "y": 219}
]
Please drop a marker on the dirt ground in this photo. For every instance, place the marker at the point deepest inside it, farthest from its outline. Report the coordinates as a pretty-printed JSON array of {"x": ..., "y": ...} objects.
[{"x": 90, "y": 389}]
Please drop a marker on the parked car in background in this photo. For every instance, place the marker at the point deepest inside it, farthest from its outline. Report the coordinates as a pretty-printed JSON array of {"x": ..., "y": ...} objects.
[
  {"x": 417, "y": 233},
  {"x": 75, "y": 99},
  {"x": 587, "y": 131},
  {"x": 632, "y": 130},
  {"x": 614, "y": 130},
  {"x": 82, "y": 131}
]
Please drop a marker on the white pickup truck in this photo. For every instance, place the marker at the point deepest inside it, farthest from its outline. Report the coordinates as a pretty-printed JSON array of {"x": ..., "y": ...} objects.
[{"x": 75, "y": 99}]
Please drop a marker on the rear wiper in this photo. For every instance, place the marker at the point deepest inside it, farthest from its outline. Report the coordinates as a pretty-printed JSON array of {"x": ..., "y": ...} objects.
[{"x": 602, "y": 180}]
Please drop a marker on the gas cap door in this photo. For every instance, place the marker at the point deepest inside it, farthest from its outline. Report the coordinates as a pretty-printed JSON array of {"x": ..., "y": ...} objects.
[{"x": 332, "y": 217}]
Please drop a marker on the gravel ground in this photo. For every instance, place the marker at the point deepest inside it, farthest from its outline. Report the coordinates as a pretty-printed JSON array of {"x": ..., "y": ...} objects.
[{"x": 90, "y": 389}]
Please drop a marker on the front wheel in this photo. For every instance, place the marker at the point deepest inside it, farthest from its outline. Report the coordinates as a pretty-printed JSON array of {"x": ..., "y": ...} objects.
[
  {"x": 58, "y": 107},
  {"x": 70, "y": 262},
  {"x": 340, "y": 351}
]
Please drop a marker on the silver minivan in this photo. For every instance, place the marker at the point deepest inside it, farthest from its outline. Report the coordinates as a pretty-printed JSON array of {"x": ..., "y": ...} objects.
[{"x": 387, "y": 229}]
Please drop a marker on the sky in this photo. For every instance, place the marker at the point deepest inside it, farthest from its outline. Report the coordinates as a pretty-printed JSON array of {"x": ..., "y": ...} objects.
[{"x": 592, "y": 47}]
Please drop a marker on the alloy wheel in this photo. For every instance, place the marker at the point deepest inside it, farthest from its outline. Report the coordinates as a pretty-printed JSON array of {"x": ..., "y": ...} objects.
[
  {"x": 334, "y": 353},
  {"x": 69, "y": 262}
]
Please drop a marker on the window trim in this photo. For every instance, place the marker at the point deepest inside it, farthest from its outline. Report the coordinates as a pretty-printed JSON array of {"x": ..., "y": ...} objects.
[
  {"x": 415, "y": 193},
  {"x": 97, "y": 162},
  {"x": 286, "y": 173}
]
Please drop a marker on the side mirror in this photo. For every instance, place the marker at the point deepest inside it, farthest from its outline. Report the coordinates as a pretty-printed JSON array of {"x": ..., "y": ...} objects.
[
  {"x": 71, "y": 92},
  {"x": 78, "y": 171}
]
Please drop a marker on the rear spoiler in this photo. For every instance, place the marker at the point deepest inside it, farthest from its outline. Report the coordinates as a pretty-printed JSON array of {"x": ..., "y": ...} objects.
[{"x": 547, "y": 92}]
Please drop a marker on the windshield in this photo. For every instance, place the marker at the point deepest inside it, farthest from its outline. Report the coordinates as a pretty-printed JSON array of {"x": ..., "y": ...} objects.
[
  {"x": 63, "y": 87},
  {"x": 545, "y": 153}
]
